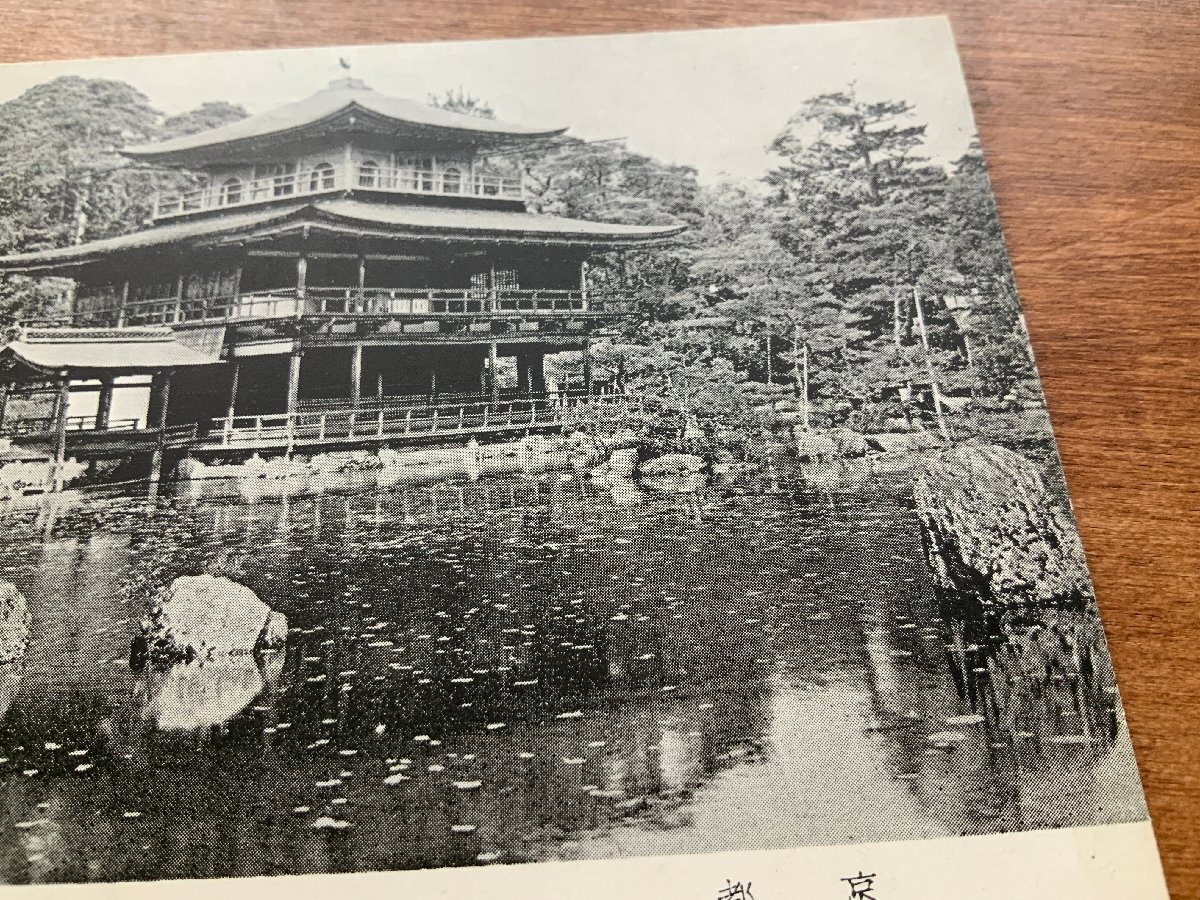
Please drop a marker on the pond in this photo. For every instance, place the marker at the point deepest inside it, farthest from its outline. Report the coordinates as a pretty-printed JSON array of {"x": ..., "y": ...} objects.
[{"x": 525, "y": 669}]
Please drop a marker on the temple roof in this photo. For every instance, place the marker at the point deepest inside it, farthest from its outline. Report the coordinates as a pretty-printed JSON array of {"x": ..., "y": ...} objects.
[
  {"x": 100, "y": 349},
  {"x": 347, "y": 105},
  {"x": 358, "y": 217}
]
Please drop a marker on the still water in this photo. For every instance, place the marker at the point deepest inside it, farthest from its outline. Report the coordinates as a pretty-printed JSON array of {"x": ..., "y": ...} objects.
[{"x": 520, "y": 670}]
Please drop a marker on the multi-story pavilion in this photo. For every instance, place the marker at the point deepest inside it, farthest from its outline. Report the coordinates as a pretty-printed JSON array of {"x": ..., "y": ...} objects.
[{"x": 352, "y": 269}]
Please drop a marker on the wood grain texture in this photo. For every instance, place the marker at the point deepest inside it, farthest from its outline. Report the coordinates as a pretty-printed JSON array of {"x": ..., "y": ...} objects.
[{"x": 1090, "y": 117}]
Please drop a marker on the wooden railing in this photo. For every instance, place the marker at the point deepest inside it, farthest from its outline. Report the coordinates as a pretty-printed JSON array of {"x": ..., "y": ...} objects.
[
  {"x": 398, "y": 421},
  {"x": 286, "y": 303},
  {"x": 334, "y": 179},
  {"x": 180, "y": 435},
  {"x": 47, "y": 425}
]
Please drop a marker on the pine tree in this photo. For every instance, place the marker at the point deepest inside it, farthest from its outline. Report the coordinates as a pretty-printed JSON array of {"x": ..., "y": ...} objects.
[{"x": 857, "y": 201}]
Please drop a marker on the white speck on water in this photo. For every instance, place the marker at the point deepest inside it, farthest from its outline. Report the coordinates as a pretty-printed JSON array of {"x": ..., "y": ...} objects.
[{"x": 327, "y": 823}]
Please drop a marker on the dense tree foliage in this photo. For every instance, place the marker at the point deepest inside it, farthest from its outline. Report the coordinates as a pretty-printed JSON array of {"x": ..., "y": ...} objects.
[
  {"x": 857, "y": 276},
  {"x": 871, "y": 281},
  {"x": 62, "y": 179}
]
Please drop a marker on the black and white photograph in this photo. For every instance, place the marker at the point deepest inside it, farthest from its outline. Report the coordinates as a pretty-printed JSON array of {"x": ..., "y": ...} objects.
[{"x": 529, "y": 451}]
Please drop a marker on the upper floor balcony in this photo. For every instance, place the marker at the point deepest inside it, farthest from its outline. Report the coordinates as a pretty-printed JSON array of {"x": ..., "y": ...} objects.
[
  {"x": 233, "y": 192},
  {"x": 410, "y": 304}
]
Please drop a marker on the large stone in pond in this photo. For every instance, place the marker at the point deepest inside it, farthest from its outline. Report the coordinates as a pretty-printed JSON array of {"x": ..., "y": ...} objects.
[
  {"x": 197, "y": 617},
  {"x": 672, "y": 464},
  {"x": 14, "y": 623},
  {"x": 993, "y": 529}
]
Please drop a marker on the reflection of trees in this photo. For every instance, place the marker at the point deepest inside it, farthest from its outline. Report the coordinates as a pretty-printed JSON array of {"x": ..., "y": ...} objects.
[{"x": 999, "y": 722}]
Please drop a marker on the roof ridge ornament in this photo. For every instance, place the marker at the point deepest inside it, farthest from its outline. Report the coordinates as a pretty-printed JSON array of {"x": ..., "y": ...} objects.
[{"x": 348, "y": 83}]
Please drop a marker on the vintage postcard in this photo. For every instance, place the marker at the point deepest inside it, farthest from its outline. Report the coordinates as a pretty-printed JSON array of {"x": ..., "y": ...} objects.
[{"x": 595, "y": 466}]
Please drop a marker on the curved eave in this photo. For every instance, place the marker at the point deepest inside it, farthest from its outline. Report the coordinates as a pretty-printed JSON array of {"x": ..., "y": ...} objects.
[
  {"x": 83, "y": 351},
  {"x": 213, "y": 147},
  {"x": 351, "y": 218}
]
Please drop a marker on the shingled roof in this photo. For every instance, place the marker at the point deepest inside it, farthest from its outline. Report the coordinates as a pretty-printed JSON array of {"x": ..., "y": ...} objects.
[
  {"x": 336, "y": 214},
  {"x": 83, "y": 350},
  {"x": 347, "y": 104}
]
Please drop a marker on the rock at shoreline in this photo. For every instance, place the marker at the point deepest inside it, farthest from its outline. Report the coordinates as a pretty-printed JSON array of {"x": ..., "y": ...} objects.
[
  {"x": 993, "y": 529},
  {"x": 623, "y": 463},
  {"x": 672, "y": 464},
  {"x": 202, "y": 615},
  {"x": 813, "y": 446},
  {"x": 620, "y": 466},
  {"x": 14, "y": 623},
  {"x": 903, "y": 442}
]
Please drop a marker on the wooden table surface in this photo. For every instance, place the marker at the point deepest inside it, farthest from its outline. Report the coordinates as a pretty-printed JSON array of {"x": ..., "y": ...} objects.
[{"x": 1090, "y": 116}]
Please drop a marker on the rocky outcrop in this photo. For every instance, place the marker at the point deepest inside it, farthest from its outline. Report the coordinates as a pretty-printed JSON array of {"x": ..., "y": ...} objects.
[
  {"x": 198, "y": 617},
  {"x": 14, "y": 623},
  {"x": 672, "y": 464},
  {"x": 813, "y": 446},
  {"x": 904, "y": 442},
  {"x": 992, "y": 528},
  {"x": 623, "y": 463}
]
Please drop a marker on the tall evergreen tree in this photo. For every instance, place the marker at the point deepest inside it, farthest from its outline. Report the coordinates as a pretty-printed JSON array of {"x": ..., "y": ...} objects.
[
  {"x": 62, "y": 180},
  {"x": 854, "y": 198}
]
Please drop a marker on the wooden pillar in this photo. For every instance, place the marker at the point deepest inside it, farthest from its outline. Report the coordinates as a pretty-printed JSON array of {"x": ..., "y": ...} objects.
[
  {"x": 163, "y": 380},
  {"x": 5, "y": 387},
  {"x": 61, "y": 403},
  {"x": 236, "y": 297},
  {"x": 301, "y": 282},
  {"x": 583, "y": 283},
  {"x": 234, "y": 378},
  {"x": 180, "y": 283},
  {"x": 164, "y": 399},
  {"x": 537, "y": 371},
  {"x": 523, "y": 374},
  {"x": 493, "y": 374},
  {"x": 293, "y": 394},
  {"x": 123, "y": 304},
  {"x": 362, "y": 283},
  {"x": 293, "y": 385},
  {"x": 356, "y": 358},
  {"x": 104, "y": 404},
  {"x": 588, "y": 377}
]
